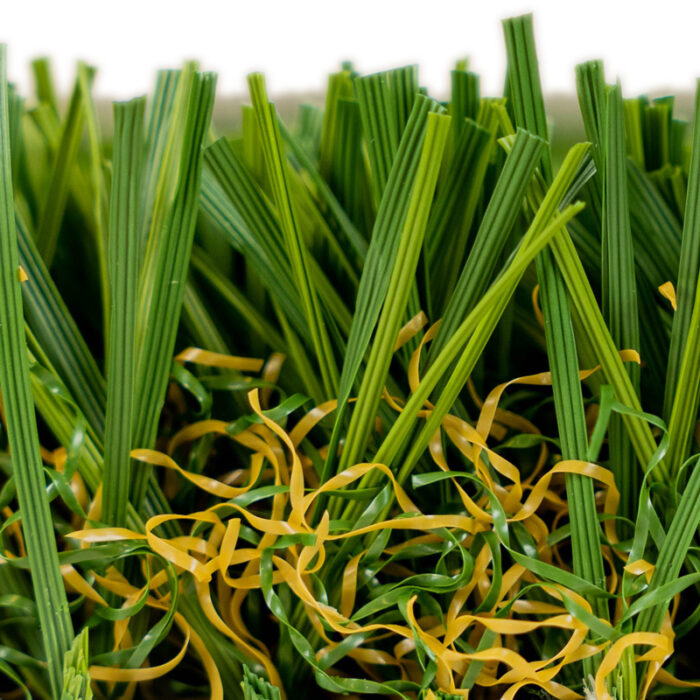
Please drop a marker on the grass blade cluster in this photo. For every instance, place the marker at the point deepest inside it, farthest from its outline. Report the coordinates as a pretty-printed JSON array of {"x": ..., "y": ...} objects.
[{"x": 392, "y": 396}]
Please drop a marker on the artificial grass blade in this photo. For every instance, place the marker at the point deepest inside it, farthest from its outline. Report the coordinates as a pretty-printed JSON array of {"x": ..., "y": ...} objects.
[
  {"x": 619, "y": 286},
  {"x": 498, "y": 219},
  {"x": 276, "y": 171},
  {"x": 57, "y": 194},
  {"x": 50, "y": 595},
  {"x": 123, "y": 259},
  {"x": 528, "y": 105},
  {"x": 163, "y": 277},
  {"x": 398, "y": 289}
]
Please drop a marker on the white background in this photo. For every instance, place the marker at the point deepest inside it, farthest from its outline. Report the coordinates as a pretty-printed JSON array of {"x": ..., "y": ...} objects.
[{"x": 651, "y": 46}]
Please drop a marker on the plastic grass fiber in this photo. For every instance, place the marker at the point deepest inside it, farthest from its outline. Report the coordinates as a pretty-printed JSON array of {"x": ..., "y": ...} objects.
[{"x": 390, "y": 399}]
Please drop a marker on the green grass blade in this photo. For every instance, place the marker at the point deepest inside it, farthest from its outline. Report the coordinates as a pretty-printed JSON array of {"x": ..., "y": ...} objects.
[
  {"x": 495, "y": 227},
  {"x": 679, "y": 537},
  {"x": 161, "y": 142},
  {"x": 344, "y": 222},
  {"x": 685, "y": 402},
  {"x": 464, "y": 98},
  {"x": 339, "y": 88},
  {"x": 688, "y": 270},
  {"x": 61, "y": 418},
  {"x": 528, "y": 106},
  {"x": 164, "y": 140},
  {"x": 524, "y": 82},
  {"x": 308, "y": 129},
  {"x": 322, "y": 241},
  {"x": 76, "y": 677},
  {"x": 606, "y": 352},
  {"x": 657, "y": 233},
  {"x": 654, "y": 339},
  {"x": 633, "y": 128},
  {"x": 301, "y": 361},
  {"x": 239, "y": 207},
  {"x": 123, "y": 260},
  {"x": 455, "y": 206},
  {"x": 571, "y": 423},
  {"x": 99, "y": 196},
  {"x": 251, "y": 152},
  {"x": 685, "y": 363},
  {"x": 198, "y": 322},
  {"x": 163, "y": 278},
  {"x": 232, "y": 295},
  {"x": 588, "y": 247},
  {"x": 44, "y": 85},
  {"x": 54, "y": 203},
  {"x": 276, "y": 169},
  {"x": 58, "y": 334},
  {"x": 257, "y": 688},
  {"x": 657, "y": 133},
  {"x": 50, "y": 596},
  {"x": 16, "y": 112},
  {"x": 386, "y": 100},
  {"x": 44, "y": 127},
  {"x": 619, "y": 288},
  {"x": 402, "y": 275},
  {"x": 590, "y": 87},
  {"x": 348, "y": 176},
  {"x": 380, "y": 259}
]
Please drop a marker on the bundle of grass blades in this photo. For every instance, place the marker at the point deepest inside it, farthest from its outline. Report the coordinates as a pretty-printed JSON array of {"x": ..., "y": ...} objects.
[{"x": 389, "y": 402}]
